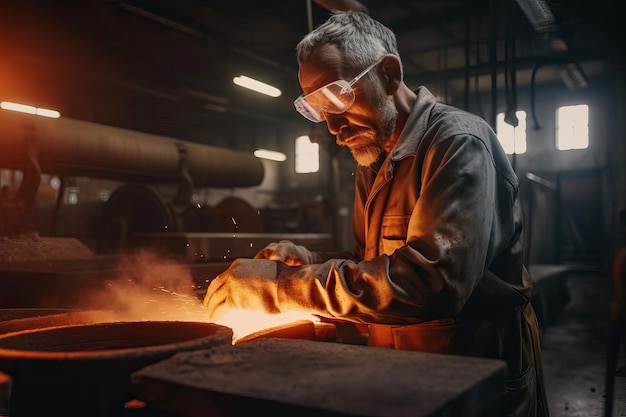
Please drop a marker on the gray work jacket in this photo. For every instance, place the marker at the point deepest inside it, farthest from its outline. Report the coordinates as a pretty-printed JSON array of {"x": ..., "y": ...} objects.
[
  {"x": 438, "y": 262},
  {"x": 439, "y": 222}
]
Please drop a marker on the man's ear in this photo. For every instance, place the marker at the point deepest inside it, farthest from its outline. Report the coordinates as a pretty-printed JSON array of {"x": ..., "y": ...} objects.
[{"x": 392, "y": 72}]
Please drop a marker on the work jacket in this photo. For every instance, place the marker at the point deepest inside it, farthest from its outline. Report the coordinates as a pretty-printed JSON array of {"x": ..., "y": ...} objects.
[
  {"x": 438, "y": 262},
  {"x": 437, "y": 225}
]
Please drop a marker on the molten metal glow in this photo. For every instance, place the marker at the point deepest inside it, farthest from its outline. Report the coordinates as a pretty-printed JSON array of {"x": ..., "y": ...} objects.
[{"x": 246, "y": 322}]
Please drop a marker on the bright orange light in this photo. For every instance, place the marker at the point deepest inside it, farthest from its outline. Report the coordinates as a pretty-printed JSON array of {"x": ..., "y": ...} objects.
[
  {"x": 246, "y": 322},
  {"x": 23, "y": 108}
]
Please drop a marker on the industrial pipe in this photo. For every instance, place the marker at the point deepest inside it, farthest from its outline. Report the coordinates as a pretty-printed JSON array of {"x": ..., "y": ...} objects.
[{"x": 67, "y": 147}]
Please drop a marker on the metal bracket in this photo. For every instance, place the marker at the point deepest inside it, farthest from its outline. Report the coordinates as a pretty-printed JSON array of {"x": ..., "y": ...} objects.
[
  {"x": 31, "y": 170},
  {"x": 182, "y": 200}
]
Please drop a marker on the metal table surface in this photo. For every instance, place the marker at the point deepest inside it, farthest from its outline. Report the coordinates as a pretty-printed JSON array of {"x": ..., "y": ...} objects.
[{"x": 303, "y": 377}]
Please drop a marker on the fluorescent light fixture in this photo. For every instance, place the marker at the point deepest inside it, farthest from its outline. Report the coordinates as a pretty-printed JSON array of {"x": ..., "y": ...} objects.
[
  {"x": 23, "y": 108},
  {"x": 539, "y": 14},
  {"x": 573, "y": 76},
  {"x": 48, "y": 113},
  {"x": 257, "y": 86},
  {"x": 271, "y": 155}
]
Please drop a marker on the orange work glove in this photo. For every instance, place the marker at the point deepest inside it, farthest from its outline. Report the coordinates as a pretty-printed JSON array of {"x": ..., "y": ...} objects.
[
  {"x": 287, "y": 252},
  {"x": 248, "y": 284}
]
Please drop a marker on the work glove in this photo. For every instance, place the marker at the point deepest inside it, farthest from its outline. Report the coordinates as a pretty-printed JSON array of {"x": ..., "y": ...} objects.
[
  {"x": 287, "y": 252},
  {"x": 248, "y": 284}
]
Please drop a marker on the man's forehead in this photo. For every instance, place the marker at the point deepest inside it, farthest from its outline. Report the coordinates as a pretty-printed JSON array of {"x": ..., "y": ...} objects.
[{"x": 323, "y": 66}]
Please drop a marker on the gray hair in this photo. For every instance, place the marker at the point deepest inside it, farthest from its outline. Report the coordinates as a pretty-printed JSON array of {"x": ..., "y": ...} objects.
[{"x": 360, "y": 39}]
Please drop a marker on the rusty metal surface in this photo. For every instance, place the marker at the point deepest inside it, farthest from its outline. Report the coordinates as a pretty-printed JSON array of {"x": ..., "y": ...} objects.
[
  {"x": 82, "y": 361},
  {"x": 285, "y": 376},
  {"x": 27, "y": 250},
  {"x": 84, "y": 370}
]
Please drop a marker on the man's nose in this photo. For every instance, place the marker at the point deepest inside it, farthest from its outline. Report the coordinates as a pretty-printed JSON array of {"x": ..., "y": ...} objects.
[{"x": 335, "y": 122}]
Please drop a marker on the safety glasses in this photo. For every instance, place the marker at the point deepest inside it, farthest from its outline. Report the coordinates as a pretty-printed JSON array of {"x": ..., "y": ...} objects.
[{"x": 333, "y": 98}]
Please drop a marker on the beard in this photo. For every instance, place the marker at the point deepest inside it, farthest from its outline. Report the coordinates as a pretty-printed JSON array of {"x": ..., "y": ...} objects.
[
  {"x": 371, "y": 143},
  {"x": 366, "y": 155}
]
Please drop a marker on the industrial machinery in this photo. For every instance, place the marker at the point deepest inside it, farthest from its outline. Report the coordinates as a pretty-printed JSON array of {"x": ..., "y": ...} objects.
[{"x": 39, "y": 270}]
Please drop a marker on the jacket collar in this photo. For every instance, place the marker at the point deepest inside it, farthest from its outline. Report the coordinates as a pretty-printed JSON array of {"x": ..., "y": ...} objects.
[
  {"x": 412, "y": 132},
  {"x": 415, "y": 126}
]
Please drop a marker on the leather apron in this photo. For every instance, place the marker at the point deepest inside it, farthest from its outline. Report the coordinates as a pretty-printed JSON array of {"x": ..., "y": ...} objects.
[{"x": 512, "y": 337}]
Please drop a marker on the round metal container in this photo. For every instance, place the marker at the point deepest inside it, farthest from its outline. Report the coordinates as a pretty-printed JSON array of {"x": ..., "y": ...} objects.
[
  {"x": 85, "y": 369},
  {"x": 7, "y": 314},
  {"x": 27, "y": 319}
]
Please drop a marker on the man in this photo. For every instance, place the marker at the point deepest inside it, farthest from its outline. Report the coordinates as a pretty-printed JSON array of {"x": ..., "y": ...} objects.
[{"x": 437, "y": 221}]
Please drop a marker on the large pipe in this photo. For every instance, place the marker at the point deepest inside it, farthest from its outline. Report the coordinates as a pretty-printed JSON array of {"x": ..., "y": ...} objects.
[{"x": 67, "y": 147}]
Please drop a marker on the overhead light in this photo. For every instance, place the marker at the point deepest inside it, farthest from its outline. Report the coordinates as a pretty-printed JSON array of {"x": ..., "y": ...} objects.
[
  {"x": 271, "y": 155},
  {"x": 539, "y": 14},
  {"x": 23, "y": 108},
  {"x": 258, "y": 86},
  {"x": 573, "y": 76}
]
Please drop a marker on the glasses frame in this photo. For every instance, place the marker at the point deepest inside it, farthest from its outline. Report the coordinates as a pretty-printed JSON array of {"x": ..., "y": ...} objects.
[{"x": 300, "y": 103}]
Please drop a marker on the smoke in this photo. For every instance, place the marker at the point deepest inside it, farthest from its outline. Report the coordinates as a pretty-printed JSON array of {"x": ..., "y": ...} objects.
[{"x": 148, "y": 287}]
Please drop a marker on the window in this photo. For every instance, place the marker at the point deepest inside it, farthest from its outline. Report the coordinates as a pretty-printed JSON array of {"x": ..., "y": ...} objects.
[
  {"x": 572, "y": 127},
  {"x": 512, "y": 139},
  {"x": 307, "y": 155}
]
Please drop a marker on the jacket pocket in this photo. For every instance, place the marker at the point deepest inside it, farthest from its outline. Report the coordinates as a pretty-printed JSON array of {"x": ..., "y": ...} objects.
[
  {"x": 435, "y": 336},
  {"x": 520, "y": 397},
  {"x": 393, "y": 233}
]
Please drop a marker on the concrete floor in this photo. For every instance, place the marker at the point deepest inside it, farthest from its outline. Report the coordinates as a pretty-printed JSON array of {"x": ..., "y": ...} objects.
[{"x": 574, "y": 350}]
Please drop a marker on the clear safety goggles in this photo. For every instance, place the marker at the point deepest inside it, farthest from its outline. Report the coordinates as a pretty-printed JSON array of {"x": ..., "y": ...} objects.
[{"x": 333, "y": 98}]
